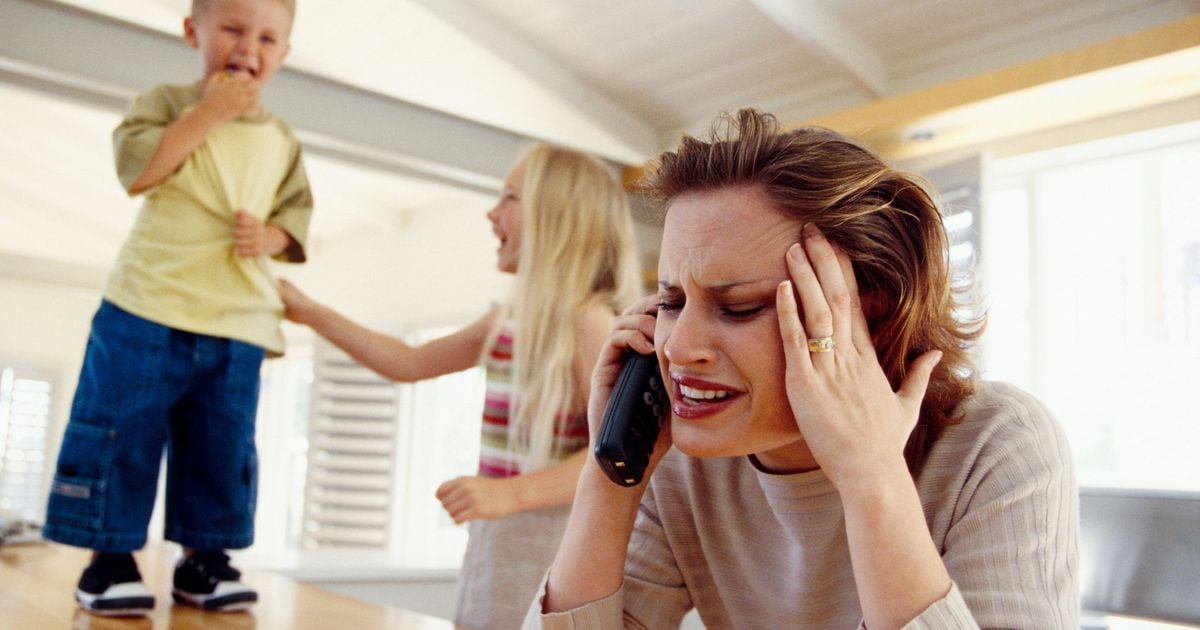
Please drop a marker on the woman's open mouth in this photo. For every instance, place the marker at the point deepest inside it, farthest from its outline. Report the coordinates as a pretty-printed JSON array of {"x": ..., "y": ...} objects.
[
  {"x": 696, "y": 394},
  {"x": 695, "y": 398}
]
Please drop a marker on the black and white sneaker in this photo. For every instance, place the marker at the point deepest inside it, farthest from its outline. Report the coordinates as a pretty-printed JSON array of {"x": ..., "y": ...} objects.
[
  {"x": 112, "y": 586},
  {"x": 205, "y": 580}
]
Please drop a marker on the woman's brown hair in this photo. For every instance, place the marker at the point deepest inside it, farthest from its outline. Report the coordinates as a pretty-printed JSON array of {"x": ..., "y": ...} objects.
[{"x": 882, "y": 218}]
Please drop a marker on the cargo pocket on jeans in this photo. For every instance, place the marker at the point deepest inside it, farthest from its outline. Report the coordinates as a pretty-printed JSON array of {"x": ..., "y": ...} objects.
[{"x": 77, "y": 496}]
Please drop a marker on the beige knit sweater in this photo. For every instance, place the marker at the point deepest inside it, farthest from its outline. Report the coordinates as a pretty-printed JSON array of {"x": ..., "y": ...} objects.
[{"x": 749, "y": 549}]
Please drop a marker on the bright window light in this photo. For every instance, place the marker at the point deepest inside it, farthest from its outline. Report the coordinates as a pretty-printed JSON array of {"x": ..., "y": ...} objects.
[{"x": 1092, "y": 268}]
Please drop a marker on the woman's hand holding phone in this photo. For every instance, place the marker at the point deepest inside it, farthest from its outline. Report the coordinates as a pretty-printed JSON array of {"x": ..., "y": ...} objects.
[
  {"x": 632, "y": 419},
  {"x": 590, "y": 563},
  {"x": 633, "y": 332}
]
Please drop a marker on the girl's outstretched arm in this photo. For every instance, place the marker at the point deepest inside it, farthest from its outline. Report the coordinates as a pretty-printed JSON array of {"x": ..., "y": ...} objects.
[{"x": 388, "y": 356}]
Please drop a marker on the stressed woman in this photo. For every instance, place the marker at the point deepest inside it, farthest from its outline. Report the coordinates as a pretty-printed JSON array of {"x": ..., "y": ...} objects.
[{"x": 831, "y": 458}]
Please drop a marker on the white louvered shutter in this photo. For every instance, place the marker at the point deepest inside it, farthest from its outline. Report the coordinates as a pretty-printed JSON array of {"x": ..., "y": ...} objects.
[
  {"x": 25, "y": 405},
  {"x": 349, "y": 486},
  {"x": 958, "y": 188}
]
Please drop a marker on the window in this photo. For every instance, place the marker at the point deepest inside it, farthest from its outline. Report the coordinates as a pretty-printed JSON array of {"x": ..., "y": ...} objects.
[
  {"x": 282, "y": 440},
  {"x": 957, "y": 187},
  {"x": 1102, "y": 319},
  {"x": 376, "y": 453},
  {"x": 25, "y": 400},
  {"x": 441, "y": 418},
  {"x": 352, "y": 453}
]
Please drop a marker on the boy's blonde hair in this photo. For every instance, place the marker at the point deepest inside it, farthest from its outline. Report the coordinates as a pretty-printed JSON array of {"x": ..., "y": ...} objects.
[
  {"x": 576, "y": 253},
  {"x": 199, "y": 6}
]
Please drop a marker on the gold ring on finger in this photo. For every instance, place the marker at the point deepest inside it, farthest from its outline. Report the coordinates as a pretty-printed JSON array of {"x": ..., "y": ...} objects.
[{"x": 821, "y": 344}]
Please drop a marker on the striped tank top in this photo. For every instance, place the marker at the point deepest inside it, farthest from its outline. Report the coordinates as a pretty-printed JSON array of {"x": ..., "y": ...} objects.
[{"x": 495, "y": 457}]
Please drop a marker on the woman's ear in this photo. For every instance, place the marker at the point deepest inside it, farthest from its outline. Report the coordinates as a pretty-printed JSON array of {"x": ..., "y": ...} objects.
[{"x": 875, "y": 306}]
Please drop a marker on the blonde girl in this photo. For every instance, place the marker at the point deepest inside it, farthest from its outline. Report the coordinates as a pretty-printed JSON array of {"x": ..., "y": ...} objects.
[{"x": 564, "y": 227}]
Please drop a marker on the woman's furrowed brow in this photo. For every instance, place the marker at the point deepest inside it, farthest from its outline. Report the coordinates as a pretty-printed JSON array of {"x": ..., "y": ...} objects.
[{"x": 722, "y": 289}]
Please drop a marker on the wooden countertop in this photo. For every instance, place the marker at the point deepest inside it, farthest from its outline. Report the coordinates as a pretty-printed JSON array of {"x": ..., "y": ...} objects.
[{"x": 37, "y": 586}]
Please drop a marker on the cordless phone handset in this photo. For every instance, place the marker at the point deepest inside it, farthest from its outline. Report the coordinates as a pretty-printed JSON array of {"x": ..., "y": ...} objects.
[{"x": 632, "y": 420}]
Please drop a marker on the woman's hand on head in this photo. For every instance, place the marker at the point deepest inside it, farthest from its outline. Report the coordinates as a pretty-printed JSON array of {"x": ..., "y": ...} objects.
[
  {"x": 853, "y": 423},
  {"x": 469, "y": 498}
]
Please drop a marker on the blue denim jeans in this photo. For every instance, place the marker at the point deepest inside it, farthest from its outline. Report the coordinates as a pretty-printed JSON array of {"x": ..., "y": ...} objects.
[{"x": 145, "y": 387}]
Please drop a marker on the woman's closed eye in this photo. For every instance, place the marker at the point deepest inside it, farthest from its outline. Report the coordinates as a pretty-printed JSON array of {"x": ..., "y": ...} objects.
[
  {"x": 742, "y": 312},
  {"x": 738, "y": 312}
]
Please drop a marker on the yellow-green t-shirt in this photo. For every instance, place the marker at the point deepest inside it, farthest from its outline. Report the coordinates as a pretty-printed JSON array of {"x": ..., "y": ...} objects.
[{"x": 179, "y": 266}]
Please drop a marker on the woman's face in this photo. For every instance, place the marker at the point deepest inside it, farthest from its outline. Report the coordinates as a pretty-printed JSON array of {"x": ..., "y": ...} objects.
[
  {"x": 717, "y": 332},
  {"x": 506, "y": 220}
]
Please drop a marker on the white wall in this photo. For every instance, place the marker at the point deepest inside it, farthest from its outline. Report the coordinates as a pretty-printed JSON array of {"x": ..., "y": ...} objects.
[{"x": 416, "y": 269}]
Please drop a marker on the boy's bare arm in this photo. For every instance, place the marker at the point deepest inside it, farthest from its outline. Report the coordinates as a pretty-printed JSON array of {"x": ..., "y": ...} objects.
[{"x": 225, "y": 98}]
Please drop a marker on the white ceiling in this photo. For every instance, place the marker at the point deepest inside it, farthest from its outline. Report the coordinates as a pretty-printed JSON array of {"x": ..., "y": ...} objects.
[{"x": 623, "y": 77}]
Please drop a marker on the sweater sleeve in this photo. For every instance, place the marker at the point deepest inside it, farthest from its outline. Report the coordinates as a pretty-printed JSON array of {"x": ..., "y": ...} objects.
[
  {"x": 1011, "y": 544},
  {"x": 948, "y": 612},
  {"x": 600, "y": 614}
]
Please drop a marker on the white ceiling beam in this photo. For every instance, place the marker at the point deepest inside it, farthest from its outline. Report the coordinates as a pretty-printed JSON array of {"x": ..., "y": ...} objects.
[
  {"x": 816, "y": 28},
  {"x": 96, "y": 59}
]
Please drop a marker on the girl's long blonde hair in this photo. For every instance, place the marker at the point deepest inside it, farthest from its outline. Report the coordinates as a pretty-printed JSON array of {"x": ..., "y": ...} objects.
[{"x": 576, "y": 253}]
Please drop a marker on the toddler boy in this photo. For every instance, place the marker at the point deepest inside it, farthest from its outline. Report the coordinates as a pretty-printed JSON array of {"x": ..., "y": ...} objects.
[{"x": 189, "y": 312}]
